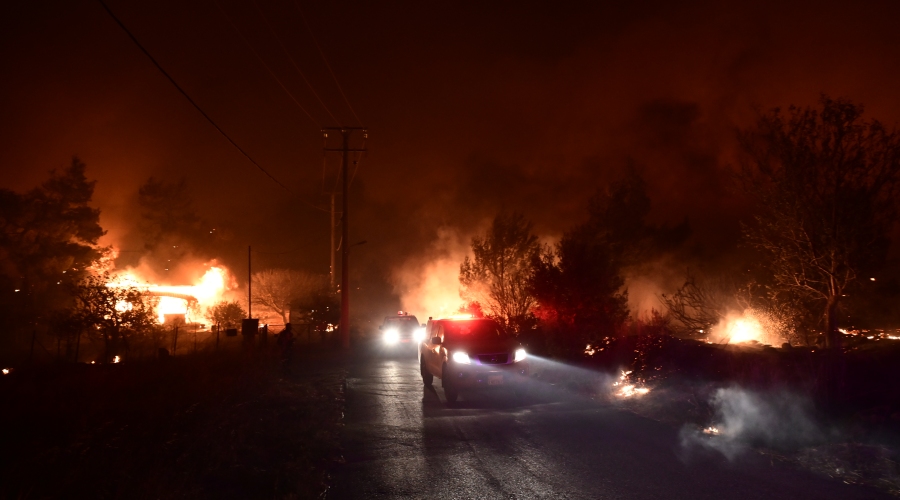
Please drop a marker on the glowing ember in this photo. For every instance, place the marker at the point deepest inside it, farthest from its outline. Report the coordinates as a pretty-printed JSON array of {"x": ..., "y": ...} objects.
[
  {"x": 117, "y": 359},
  {"x": 627, "y": 389},
  {"x": 711, "y": 430},
  {"x": 630, "y": 390},
  {"x": 6, "y": 371}
]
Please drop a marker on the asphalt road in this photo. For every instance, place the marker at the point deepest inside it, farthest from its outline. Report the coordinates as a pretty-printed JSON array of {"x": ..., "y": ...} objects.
[{"x": 403, "y": 441}]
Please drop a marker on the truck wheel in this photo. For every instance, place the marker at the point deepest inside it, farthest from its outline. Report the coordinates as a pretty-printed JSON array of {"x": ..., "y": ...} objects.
[
  {"x": 451, "y": 394},
  {"x": 449, "y": 391},
  {"x": 427, "y": 377}
]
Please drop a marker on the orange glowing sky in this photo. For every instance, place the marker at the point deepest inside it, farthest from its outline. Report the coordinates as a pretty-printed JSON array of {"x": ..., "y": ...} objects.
[{"x": 471, "y": 108}]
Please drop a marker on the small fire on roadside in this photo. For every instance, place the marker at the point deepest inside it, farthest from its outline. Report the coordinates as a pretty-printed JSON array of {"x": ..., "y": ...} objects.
[
  {"x": 711, "y": 430},
  {"x": 117, "y": 359},
  {"x": 627, "y": 389},
  {"x": 7, "y": 371}
]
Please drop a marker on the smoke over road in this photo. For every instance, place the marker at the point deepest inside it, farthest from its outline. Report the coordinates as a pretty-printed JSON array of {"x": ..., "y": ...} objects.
[{"x": 744, "y": 418}]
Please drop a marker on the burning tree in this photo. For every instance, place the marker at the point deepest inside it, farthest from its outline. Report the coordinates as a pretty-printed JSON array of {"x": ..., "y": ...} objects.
[
  {"x": 824, "y": 182},
  {"x": 497, "y": 278}
]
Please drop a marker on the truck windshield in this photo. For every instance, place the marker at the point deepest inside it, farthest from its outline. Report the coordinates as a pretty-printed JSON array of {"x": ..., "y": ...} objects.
[
  {"x": 401, "y": 322},
  {"x": 472, "y": 330}
]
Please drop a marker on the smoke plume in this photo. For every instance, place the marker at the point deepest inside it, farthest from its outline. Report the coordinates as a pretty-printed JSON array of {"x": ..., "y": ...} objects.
[
  {"x": 428, "y": 284},
  {"x": 744, "y": 418}
]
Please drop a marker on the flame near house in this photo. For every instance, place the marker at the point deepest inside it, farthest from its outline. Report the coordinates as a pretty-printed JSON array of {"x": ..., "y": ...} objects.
[{"x": 188, "y": 300}]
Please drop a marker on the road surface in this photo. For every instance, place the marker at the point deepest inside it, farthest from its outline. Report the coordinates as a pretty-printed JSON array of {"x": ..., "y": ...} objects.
[{"x": 403, "y": 441}]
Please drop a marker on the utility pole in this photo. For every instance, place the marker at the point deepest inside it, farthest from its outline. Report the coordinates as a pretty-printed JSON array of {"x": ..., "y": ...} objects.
[
  {"x": 333, "y": 249},
  {"x": 345, "y": 150},
  {"x": 249, "y": 284}
]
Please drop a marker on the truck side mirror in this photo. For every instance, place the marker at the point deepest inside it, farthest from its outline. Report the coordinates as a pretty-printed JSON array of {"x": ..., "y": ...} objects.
[{"x": 436, "y": 340}]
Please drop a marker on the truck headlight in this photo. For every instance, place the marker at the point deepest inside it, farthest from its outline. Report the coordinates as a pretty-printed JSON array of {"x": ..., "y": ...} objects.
[
  {"x": 391, "y": 336},
  {"x": 520, "y": 355},
  {"x": 419, "y": 334},
  {"x": 461, "y": 357}
]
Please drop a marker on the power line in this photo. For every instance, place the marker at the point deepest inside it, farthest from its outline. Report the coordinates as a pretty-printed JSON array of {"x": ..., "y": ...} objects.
[
  {"x": 325, "y": 60},
  {"x": 293, "y": 62},
  {"x": 263, "y": 62},
  {"x": 208, "y": 118}
]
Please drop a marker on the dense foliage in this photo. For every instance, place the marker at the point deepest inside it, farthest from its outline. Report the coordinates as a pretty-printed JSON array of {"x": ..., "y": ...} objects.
[{"x": 48, "y": 240}]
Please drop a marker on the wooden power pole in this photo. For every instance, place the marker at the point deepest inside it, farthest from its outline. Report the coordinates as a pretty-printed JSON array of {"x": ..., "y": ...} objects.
[
  {"x": 333, "y": 248},
  {"x": 345, "y": 150}
]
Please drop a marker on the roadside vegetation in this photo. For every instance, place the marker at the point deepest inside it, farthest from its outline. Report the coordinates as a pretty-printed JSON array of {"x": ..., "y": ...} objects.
[{"x": 801, "y": 310}]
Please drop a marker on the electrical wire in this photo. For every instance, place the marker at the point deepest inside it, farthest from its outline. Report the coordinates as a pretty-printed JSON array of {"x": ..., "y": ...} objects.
[
  {"x": 325, "y": 60},
  {"x": 263, "y": 62},
  {"x": 198, "y": 108},
  {"x": 293, "y": 62}
]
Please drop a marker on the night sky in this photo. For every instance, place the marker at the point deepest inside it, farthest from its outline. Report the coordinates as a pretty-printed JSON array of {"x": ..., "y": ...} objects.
[{"x": 470, "y": 109}]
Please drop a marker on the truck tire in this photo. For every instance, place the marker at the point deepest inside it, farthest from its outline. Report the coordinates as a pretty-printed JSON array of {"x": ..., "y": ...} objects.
[
  {"x": 427, "y": 377},
  {"x": 449, "y": 391}
]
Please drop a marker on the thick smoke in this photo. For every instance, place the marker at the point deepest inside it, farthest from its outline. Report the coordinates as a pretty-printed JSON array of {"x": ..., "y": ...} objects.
[
  {"x": 428, "y": 284},
  {"x": 744, "y": 418}
]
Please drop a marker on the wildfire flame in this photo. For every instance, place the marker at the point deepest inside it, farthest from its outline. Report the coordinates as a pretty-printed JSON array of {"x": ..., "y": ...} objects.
[
  {"x": 177, "y": 299},
  {"x": 6, "y": 371},
  {"x": 747, "y": 326},
  {"x": 117, "y": 359}
]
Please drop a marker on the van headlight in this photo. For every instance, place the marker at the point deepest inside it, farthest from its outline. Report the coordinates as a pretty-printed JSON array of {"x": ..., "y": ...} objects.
[
  {"x": 461, "y": 357},
  {"x": 391, "y": 336},
  {"x": 520, "y": 355},
  {"x": 419, "y": 334}
]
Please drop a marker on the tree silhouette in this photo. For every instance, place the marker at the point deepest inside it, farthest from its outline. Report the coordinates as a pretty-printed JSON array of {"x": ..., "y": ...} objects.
[
  {"x": 48, "y": 240},
  {"x": 226, "y": 314},
  {"x": 497, "y": 277},
  {"x": 824, "y": 182},
  {"x": 278, "y": 290}
]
